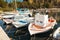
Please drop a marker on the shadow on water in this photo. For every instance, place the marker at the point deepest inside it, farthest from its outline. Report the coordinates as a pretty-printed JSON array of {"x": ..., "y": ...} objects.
[
  {"x": 40, "y": 36},
  {"x": 56, "y": 26},
  {"x": 45, "y": 35}
]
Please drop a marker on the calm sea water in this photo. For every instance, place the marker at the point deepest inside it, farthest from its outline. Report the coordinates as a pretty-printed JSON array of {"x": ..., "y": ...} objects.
[{"x": 26, "y": 35}]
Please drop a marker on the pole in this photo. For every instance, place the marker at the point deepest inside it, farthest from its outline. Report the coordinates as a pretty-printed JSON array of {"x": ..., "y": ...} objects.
[
  {"x": 7, "y": 3},
  {"x": 15, "y": 5}
]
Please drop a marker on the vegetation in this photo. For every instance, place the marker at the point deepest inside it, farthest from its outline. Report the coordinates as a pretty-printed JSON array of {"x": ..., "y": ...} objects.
[
  {"x": 26, "y": 4},
  {"x": 35, "y": 5}
]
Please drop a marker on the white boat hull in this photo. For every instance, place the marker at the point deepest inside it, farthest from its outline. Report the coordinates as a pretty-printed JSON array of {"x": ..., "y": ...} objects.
[{"x": 35, "y": 30}]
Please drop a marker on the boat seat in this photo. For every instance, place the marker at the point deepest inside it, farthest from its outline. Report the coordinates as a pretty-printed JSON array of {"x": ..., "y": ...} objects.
[{"x": 3, "y": 35}]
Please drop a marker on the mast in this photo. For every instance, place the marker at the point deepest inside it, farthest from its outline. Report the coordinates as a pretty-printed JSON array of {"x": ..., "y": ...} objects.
[
  {"x": 15, "y": 5},
  {"x": 7, "y": 3}
]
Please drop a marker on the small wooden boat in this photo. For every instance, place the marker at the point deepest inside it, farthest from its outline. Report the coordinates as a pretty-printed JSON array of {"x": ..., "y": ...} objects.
[
  {"x": 34, "y": 29},
  {"x": 8, "y": 21},
  {"x": 8, "y": 16},
  {"x": 20, "y": 23}
]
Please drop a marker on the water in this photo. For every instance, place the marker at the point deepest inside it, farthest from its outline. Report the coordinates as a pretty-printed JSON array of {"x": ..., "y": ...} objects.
[
  {"x": 56, "y": 26},
  {"x": 26, "y": 35}
]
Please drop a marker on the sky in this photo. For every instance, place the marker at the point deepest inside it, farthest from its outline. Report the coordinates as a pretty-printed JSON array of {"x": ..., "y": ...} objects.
[{"x": 12, "y": 1}]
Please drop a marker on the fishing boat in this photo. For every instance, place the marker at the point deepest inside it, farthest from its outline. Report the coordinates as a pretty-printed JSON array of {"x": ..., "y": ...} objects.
[
  {"x": 8, "y": 21},
  {"x": 20, "y": 23},
  {"x": 42, "y": 24},
  {"x": 21, "y": 20},
  {"x": 24, "y": 11},
  {"x": 8, "y": 15}
]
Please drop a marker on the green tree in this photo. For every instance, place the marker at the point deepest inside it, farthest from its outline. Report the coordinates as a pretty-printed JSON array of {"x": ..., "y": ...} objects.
[
  {"x": 46, "y": 5},
  {"x": 2, "y": 3}
]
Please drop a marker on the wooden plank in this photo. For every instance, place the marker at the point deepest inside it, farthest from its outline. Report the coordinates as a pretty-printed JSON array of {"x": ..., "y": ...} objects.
[{"x": 3, "y": 35}]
